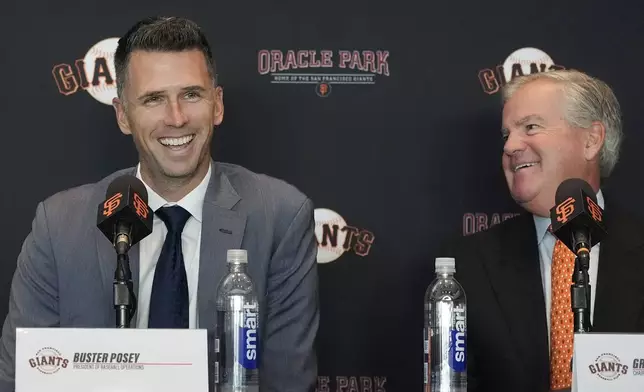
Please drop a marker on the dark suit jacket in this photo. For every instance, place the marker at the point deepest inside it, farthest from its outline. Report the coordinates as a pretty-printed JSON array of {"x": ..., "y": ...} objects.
[
  {"x": 500, "y": 273},
  {"x": 66, "y": 267}
]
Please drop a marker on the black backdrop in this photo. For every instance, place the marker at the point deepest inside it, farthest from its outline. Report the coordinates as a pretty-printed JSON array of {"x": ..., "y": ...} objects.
[{"x": 390, "y": 120}]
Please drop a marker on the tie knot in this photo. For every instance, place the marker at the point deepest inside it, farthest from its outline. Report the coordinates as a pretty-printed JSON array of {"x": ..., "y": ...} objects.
[{"x": 174, "y": 217}]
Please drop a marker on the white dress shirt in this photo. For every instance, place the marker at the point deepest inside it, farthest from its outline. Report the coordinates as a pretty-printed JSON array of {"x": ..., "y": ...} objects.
[
  {"x": 547, "y": 242},
  {"x": 150, "y": 248}
]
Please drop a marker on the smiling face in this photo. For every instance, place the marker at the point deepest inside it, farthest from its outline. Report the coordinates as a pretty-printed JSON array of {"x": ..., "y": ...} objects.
[
  {"x": 542, "y": 149},
  {"x": 170, "y": 108}
]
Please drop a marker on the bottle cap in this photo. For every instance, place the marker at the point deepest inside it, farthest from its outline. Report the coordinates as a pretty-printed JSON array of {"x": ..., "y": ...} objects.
[
  {"x": 238, "y": 256},
  {"x": 445, "y": 264}
]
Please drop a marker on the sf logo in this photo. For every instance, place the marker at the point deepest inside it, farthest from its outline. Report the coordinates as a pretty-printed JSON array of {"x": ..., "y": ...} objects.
[
  {"x": 323, "y": 89},
  {"x": 140, "y": 207},
  {"x": 595, "y": 211},
  {"x": 565, "y": 209},
  {"x": 112, "y": 204}
]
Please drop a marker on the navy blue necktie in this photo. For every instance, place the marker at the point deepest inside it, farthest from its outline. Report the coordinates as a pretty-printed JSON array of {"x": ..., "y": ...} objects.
[{"x": 169, "y": 300}]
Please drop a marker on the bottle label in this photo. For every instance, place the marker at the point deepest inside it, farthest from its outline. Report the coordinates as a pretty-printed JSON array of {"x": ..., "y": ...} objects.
[
  {"x": 457, "y": 347},
  {"x": 249, "y": 347},
  {"x": 427, "y": 361},
  {"x": 219, "y": 348}
]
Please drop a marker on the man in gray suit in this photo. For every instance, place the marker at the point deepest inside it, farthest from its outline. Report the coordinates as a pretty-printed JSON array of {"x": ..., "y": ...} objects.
[{"x": 169, "y": 101}]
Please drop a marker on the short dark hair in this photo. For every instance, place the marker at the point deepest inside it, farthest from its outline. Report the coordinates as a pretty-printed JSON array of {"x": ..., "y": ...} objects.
[{"x": 161, "y": 34}]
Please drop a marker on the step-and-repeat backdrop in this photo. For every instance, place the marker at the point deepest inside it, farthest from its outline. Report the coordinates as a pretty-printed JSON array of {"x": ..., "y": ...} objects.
[{"x": 386, "y": 113}]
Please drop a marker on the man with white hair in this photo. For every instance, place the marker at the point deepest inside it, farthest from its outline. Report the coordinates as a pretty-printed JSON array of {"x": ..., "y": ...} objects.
[{"x": 516, "y": 275}]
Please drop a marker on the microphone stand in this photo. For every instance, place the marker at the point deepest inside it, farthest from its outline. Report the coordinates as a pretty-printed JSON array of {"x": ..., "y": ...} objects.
[
  {"x": 580, "y": 293},
  {"x": 124, "y": 298}
]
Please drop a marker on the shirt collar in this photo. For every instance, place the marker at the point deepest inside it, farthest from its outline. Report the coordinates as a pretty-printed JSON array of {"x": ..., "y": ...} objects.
[
  {"x": 541, "y": 223},
  {"x": 192, "y": 202}
]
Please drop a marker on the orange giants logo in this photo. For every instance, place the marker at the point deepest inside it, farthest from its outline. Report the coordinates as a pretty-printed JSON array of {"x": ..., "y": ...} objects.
[
  {"x": 335, "y": 236},
  {"x": 521, "y": 62},
  {"x": 112, "y": 204},
  {"x": 595, "y": 210},
  {"x": 94, "y": 73},
  {"x": 323, "y": 89},
  {"x": 565, "y": 209},
  {"x": 140, "y": 207}
]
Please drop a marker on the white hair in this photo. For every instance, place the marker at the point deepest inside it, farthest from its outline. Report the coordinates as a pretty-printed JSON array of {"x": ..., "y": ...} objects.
[{"x": 588, "y": 99}]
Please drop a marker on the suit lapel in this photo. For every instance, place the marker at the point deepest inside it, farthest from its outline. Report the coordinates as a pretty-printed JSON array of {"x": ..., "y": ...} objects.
[
  {"x": 107, "y": 263},
  {"x": 619, "y": 302},
  {"x": 515, "y": 273},
  {"x": 222, "y": 229}
]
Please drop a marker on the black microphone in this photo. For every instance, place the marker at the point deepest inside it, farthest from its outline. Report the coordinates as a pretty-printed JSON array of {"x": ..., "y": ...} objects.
[
  {"x": 125, "y": 217},
  {"x": 577, "y": 219}
]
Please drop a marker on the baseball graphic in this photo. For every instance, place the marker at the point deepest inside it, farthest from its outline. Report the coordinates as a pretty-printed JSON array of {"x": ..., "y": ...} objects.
[
  {"x": 46, "y": 366},
  {"x": 329, "y": 253},
  {"x": 525, "y": 57},
  {"x": 103, "y": 93}
]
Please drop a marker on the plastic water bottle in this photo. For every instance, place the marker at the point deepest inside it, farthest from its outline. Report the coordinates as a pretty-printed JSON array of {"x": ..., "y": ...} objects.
[
  {"x": 445, "y": 331},
  {"x": 237, "y": 334}
]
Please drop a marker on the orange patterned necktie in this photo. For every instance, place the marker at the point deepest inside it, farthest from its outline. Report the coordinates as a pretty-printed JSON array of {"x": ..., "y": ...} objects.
[{"x": 561, "y": 317}]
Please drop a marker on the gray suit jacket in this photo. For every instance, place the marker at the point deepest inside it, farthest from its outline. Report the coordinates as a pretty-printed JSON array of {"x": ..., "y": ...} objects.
[{"x": 66, "y": 266}]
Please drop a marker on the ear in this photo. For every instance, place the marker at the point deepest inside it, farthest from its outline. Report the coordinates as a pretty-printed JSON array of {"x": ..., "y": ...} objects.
[
  {"x": 121, "y": 118},
  {"x": 218, "y": 115},
  {"x": 595, "y": 136}
]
